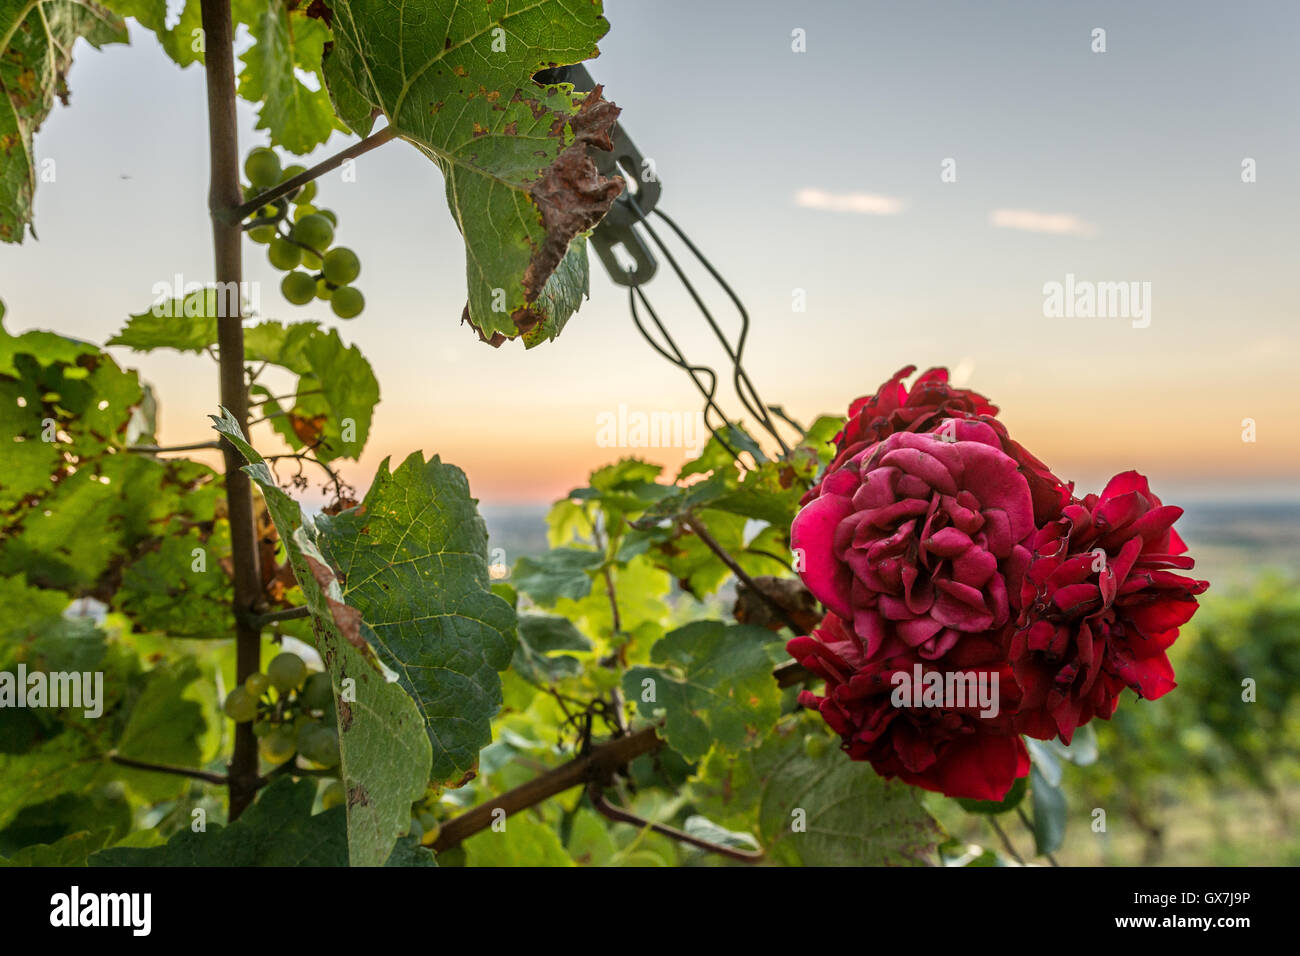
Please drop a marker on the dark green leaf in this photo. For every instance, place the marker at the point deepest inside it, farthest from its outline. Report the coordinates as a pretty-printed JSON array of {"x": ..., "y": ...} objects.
[
  {"x": 277, "y": 830},
  {"x": 715, "y": 687},
  {"x": 456, "y": 80},
  {"x": 412, "y": 558}
]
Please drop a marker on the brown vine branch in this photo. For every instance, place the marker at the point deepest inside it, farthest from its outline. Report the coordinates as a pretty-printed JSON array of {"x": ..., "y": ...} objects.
[
  {"x": 595, "y": 766},
  {"x": 205, "y": 775},
  {"x": 224, "y": 194},
  {"x": 712, "y": 544},
  {"x": 619, "y": 815},
  {"x": 790, "y": 673},
  {"x": 239, "y": 211}
]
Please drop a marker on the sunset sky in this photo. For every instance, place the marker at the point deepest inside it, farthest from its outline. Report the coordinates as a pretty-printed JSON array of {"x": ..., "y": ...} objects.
[{"x": 817, "y": 171}]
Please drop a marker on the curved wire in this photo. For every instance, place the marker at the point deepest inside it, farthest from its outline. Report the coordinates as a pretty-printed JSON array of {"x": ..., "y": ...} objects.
[
  {"x": 745, "y": 389},
  {"x": 677, "y": 358}
]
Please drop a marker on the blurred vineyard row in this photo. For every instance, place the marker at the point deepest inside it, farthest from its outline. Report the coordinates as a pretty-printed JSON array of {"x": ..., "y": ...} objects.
[{"x": 1204, "y": 775}]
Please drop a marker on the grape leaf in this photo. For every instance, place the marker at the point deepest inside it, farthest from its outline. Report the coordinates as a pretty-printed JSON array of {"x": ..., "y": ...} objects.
[
  {"x": 336, "y": 392},
  {"x": 187, "y": 324},
  {"x": 716, "y": 687},
  {"x": 385, "y": 753},
  {"x": 183, "y": 41},
  {"x": 823, "y": 811},
  {"x": 71, "y": 850},
  {"x": 456, "y": 80},
  {"x": 277, "y": 830},
  {"x": 36, "y": 40},
  {"x": 412, "y": 558},
  {"x": 540, "y": 635},
  {"x": 558, "y": 573},
  {"x": 523, "y": 842},
  {"x": 298, "y": 118}
]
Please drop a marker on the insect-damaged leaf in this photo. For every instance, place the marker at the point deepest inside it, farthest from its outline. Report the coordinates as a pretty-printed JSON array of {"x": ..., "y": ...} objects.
[
  {"x": 385, "y": 752},
  {"x": 456, "y": 80},
  {"x": 36, "y": 40}
]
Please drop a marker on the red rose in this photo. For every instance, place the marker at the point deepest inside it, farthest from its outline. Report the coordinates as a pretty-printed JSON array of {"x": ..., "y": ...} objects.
[
  {"x": 1100, "y": 607},
  {"x": 957, "y": 748},
  {"x": 916, "y": 536},
  {"x": 921, "y": 408}
]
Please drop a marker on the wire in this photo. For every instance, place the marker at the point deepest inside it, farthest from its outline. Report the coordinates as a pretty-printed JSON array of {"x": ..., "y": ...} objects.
[{"x": 745, "y": 389}]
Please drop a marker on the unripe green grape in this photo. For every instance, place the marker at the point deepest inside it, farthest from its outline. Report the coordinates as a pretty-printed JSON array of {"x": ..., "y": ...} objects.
[
  {"x": 308, "y": 192},
  {"x": 287, "y": 174},
  {"x": 263, "y": 234},
  {"x": 314, "y": 231},
  {"x": 814, "y": 745},
  {"x": 257, "y": 684},
  {"x": 284, "y": 255},
  {"x": 262, "y": 728},
  {"x": 432, "y": 830},
  {"x": 333, "y": 796},
  {"x": 318, "y": 692},
  {"x": 311, "y": 260},
  {"x": 347, "y": 302},
  {"x": 303, "y": 729},
  {"x": 286, "y": 671},
  {"x": 262, "y": 167},
  {"x": 341, "y": 265},
  {"x": 329, "y": 214},
  {"x": 298, "y": 287},
  {"x": 324, "y": 290},
  {"x": 320, "y": 745},
  {"x": 240, "y": 705},
  {"x": 303, "y": 210},
  {"x": 277, "y": 746}
]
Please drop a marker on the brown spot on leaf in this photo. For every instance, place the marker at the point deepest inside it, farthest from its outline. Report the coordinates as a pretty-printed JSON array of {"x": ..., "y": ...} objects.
[
  {"x": 318, "y": 11},
  {"x": 572, "y": 196},
  {"x": 358, "y": 796},
  {"x": 495, "y": 341}
]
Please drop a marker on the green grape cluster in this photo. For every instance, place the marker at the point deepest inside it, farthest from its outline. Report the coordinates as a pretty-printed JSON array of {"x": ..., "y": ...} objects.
[
  {"x": 300, "y": 242},
  {"x": 297, "y": 720}
]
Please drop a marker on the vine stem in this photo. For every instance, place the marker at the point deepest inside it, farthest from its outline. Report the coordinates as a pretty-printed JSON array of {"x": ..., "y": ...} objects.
[
  {"x": 712, "y": 544},
  {"x": 238, "y": 211},
  {"x": 205, "y": 775},
  {"x": 224, "y": 194},
  {"x": 619, "y": 815},
  {"x": 594, "y": 767}
]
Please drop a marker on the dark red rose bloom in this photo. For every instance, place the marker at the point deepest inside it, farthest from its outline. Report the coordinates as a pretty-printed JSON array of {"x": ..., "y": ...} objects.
[
  {"x": 956, "y": 750},
  {"x": 941, "y": 547},
  {"x": 1101, "y": 605},
  {"x": 921, "y": 408},
  {"x": 917, "y": 536}
]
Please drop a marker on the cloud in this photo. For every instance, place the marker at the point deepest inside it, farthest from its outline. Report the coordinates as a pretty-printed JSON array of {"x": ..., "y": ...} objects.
[
  {"x": 865, "y": 204},
  {"x": 1028, "y": 220}
]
